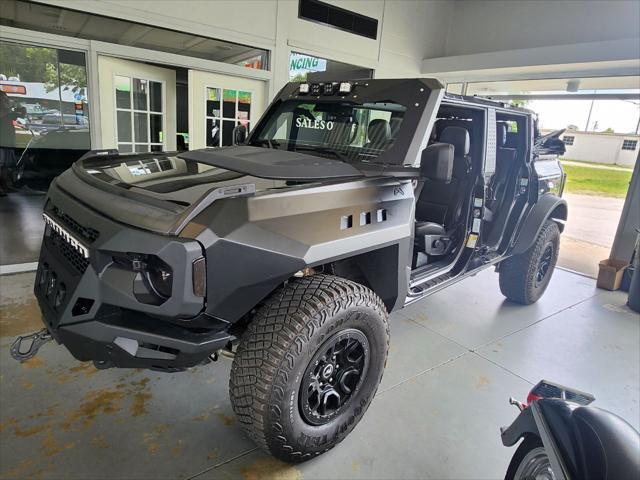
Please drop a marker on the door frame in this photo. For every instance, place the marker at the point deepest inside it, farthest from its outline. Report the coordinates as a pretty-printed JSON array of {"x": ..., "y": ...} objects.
[
  {"x": 164, "y": 111},
  {"x": 94, "y": 48},
  {"x": 136, "y": 54}
]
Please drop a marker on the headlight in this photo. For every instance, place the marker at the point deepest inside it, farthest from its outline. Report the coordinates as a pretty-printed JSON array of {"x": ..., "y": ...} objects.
[
  {"x": 160, "y": 277},
  {"x": 153, "y": 283}
]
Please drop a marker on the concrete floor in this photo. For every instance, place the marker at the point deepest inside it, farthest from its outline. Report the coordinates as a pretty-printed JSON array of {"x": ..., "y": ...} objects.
[
  {"x": 455, "y": 359},
  {"x": 593, "y": 219},
  {"x": 589, "y": 232}
]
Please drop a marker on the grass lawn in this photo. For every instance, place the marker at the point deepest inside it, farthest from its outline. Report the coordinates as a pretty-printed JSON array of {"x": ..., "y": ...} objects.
[
  {"x": 597, "y": 181},
  {"x": 626, "y": 167}
]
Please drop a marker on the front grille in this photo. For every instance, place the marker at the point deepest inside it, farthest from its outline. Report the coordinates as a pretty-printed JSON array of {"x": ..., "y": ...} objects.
[
  {"x": 87, "y": 233},
  {"x": 73, "y": 257}
]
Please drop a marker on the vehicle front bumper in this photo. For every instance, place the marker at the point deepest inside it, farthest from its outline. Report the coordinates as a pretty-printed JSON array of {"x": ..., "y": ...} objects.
[{"x": 91, "y": 307}]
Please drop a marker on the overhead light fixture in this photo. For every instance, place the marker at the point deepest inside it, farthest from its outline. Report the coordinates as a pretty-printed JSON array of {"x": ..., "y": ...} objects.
[
  {"x": 304, "y": 88},
  {"x": 345, "y": 87},
  {"x": 573, "y": 85}
]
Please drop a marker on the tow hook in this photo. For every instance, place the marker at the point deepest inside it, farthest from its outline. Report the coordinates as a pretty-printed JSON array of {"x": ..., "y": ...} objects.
[{"x": 34, "y": 341}]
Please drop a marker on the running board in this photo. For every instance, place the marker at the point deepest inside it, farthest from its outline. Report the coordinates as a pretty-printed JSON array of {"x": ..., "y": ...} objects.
[{"x": 418, "y": 291}]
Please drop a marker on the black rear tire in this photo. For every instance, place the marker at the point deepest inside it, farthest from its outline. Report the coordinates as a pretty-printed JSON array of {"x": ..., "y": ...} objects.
[
  {"x": 278, "y": 387},
  {"x": 529, "y": 444},
  {"x": 525, "y": 277}
]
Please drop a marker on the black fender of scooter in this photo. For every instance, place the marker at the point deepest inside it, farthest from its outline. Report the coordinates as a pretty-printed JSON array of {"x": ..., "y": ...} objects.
[
  {"x": 594, "y": 443},
  {"x": 523, "y": 425},
  {"x": 591, "y": 442}
]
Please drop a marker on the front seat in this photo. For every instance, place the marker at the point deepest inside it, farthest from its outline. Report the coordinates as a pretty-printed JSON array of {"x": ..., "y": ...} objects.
[
  {"x": 442, "y": 202},
  {"x": 436, "y": 167},
  {"x": 379, "y": 134},
  {"x": 505, "y": 164}
]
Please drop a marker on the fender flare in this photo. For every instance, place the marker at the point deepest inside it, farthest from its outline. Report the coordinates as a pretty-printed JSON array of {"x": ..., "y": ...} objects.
[
  {"x": 523, "y": 425},
  {"x": 548, "y": 207}
]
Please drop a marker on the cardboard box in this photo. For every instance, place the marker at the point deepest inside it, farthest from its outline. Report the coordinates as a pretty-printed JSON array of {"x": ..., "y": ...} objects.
[{"x": 610, "y": 273}]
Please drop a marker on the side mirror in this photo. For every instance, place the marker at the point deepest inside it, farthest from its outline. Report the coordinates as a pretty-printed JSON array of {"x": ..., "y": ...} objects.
[{"x": 239, "y": 135}]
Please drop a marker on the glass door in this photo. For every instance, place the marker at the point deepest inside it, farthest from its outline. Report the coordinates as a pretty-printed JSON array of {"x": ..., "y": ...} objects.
[
  {"x": 218, "y": 103},
  {"x": 225, "y": 109},
  {"x": 137, "y": 106},
  {"x": 139, "y": 114}
]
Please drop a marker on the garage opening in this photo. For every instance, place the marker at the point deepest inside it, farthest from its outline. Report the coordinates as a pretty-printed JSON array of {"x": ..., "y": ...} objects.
[{"x": 600, "y": 120}]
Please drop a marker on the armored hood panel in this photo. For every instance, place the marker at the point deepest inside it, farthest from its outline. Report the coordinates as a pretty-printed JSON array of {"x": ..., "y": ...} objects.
[{"x": 273, "y": 163}]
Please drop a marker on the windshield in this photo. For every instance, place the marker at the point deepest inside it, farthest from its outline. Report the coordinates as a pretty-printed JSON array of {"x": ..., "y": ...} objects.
[{"x": 344, "y": 130}]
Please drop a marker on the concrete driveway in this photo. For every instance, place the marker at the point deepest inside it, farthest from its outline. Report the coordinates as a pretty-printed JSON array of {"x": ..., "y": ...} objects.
[
  {"x": 589, "y": 232},
  {"x": 592, "y": 218}
]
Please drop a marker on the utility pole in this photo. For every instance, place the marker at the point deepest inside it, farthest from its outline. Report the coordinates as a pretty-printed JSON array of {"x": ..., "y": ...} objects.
[{"x": 586, "y": 128}]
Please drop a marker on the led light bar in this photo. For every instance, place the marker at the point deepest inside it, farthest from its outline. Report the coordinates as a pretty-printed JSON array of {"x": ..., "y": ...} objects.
[
  {"x": 345, "y": 87},
  {"x": 328, "y": 89},
  {"x": 304, "y": 88},
  {"x": 315, "y": 89}
]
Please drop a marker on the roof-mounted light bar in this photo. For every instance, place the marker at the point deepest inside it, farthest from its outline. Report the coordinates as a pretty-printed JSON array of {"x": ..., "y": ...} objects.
[
  {"x": 328, "y": 88},
  {"x": 345, "y": 87}
]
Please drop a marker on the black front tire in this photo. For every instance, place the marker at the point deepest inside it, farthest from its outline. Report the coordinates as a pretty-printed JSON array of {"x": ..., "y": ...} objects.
[
  {"x": 525, "y": 277},
  {"x": 289, "y": 335}
]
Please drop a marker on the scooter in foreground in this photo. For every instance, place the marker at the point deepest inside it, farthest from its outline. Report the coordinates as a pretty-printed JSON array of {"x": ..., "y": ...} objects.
[{"x": 565, "y": 439}]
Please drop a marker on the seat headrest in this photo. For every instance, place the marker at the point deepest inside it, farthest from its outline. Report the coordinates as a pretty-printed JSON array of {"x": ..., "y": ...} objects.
[
  {"x": 501, "y": 134},
  {"x": 437, "y": 162},
  {"x": 379, "y": 131},
  {"x": 458, "y": 137}
]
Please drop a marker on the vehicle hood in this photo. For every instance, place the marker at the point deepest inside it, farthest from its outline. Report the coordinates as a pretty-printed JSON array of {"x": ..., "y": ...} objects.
[
  {"x": 161, "y": 192},
  {"x": 273, "y": 163}
]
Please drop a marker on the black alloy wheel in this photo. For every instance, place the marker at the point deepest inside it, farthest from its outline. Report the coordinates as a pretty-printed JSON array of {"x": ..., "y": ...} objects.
[
  {"x": 333, "y": 376},
  {"x": 545, "y": 263}
]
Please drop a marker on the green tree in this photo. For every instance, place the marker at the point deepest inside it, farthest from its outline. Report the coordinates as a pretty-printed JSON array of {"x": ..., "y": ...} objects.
[
  {"x": 40, "y": 64},
  {"x": 519, "y": 103},
  {"x": 30, "y": 64}
]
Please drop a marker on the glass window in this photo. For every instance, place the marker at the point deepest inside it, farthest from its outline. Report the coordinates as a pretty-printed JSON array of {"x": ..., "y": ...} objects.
[
  {"x": 140, "y": 114},
  {"x": 44, "y": 128},
  {"x": 225, "y": 109},
  {"x": 80, "y": 24},
  {"x": 123, "y": 92},
  {"x": 352, "y": 132}
]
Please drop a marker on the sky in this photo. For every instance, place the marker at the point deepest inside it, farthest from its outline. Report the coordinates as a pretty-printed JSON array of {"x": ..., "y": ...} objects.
[{"x": 620, "y": 115}]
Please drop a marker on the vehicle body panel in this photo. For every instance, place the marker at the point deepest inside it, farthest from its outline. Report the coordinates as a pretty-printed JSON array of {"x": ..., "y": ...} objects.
[{"x": 258, "y": 216}]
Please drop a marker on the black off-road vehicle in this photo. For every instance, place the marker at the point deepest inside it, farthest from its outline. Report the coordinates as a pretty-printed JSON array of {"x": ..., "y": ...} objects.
[{"x": 347, "y": 201}]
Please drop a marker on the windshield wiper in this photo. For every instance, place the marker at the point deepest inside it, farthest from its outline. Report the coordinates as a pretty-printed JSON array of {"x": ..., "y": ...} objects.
[
  {"x": 263, "y": 141},
  {"x": 340, "y": 156}
]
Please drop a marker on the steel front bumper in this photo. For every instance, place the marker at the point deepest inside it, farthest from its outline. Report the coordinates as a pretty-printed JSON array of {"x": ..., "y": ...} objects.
[{"x": 90, "y": 304}]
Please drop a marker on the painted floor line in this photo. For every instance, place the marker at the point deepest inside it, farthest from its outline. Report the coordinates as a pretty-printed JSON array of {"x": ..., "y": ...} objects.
[
  {"x": 229, "y": 460},
  {"x": 421, "y": 373},
  {"x": 475, "y": 349}
]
